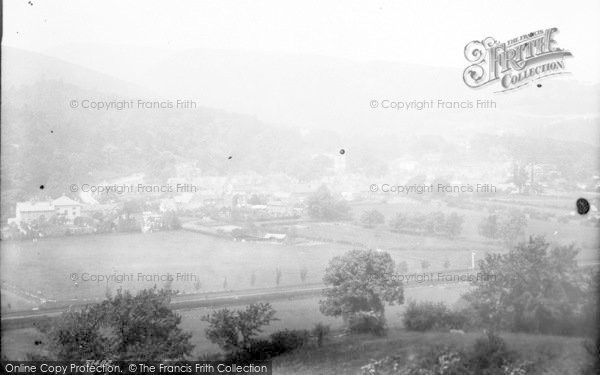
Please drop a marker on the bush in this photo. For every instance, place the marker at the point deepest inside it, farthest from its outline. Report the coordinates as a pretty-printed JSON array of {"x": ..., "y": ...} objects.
[
  {"x": 257, "y": 350},
  {"x": 320, "y": 331},
  {"x": 366, "y": 322},
  {"x": 278, "y": 343},
  {"x": 426, "y": 316},
  {"x": 490, "y": 353},
  {"x": 288, "y": 340},
  {"x": 488, "y": 356}
]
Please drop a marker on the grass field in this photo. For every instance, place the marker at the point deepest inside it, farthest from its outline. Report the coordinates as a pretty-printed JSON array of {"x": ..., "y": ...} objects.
[
  {"x": 301, "y": 313},
  {"x": 586, "y": 237},
  {"x": 44, "y": 268}
]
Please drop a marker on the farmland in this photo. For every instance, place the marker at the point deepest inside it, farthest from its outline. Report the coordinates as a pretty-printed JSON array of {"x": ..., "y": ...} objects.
[{"x": 300, "y": 313}]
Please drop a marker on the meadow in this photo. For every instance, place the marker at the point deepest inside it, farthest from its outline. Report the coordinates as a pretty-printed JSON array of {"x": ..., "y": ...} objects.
[
  {"x": 297, "y": 313},
  {"x": 44, "y": 268}
]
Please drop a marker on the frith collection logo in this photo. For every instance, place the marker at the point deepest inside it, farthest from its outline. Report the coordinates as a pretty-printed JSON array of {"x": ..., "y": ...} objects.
[{"x": 516, "y": 62}]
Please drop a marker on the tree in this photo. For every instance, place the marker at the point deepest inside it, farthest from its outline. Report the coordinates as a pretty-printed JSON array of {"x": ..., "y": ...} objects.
[
  {"x": 372, "y": 218},
  {"x": 425, "y": 264},
  {"x": 257, "y": 199},
  {"x": 402, "y": 267},
  {"x": 400, "y": 222},
  {"x": 319, "y": 331},
  {"x": 435, "y": 223},
  {"x": 303, "y": 274},
  {"x": 277, "y": 276},
  {"x": 512, "y": 227},
  {"x": 360, "y": 282},
  {"x": 123, "y": 327},
  {"x": 323, "y": 205},
  {"x": 532, "y": 288},
  {"x": 234, "y": 330},
  {"x": 453, "y": 225},
  {"x": 489, "y": 227},
  {"x": 446, "y": 264},
  {"x": 509, "y": 227}
]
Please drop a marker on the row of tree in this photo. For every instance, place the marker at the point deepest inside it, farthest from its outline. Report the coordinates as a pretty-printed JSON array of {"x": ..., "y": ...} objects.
[{"x": 436, "y": 223}]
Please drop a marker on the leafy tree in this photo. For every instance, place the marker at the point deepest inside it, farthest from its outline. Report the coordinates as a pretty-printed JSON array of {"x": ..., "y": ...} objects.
[
  {"x": 402, "y": 267},
  {"x": 77, "y": 336},
  {"x": 234, "y": 330},
  {"x": 446, "y": 264},
  {"x": 360, "y": 282},
  {"x": 303, "y": 274},
  {"x": 400, "y": 222},
  {"x": 371, "y": 218},
  {"x": 489, "y": 227},
  {"x": 435, "y": 223},
  {"x": 453, "y": 225},
  {"x": 256, "y": 199},
  {"x": 323, "y": 205},
  {"x": 508, "y": 227},
  {"x": 532, "y": 288},
  {"x": 277, "y": 276},
  {"x": 171, "y": 220},
  {"x": 319, "y": 331},
  {"x": 123, "y": 327},
  {"x": 425, "y": 264},
  {"x": 512, "y": 227}
]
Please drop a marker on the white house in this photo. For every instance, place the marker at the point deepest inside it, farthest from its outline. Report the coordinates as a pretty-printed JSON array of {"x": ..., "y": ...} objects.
[
  {"x": 33, "y": 210},
  {"x": 68, "y": 207}
]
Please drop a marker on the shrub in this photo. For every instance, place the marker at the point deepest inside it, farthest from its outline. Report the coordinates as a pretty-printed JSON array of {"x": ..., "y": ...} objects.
[
  {"x": 288, "y": 340},
  {"x": 278, "y": 343},
  {"x": 319, "y": 331},
  {"x": 256, "y": 350},
  {"x": 366, "y": 322},
  {"x": 426, "y": 316},
  {"x": 490, "y": 354}
]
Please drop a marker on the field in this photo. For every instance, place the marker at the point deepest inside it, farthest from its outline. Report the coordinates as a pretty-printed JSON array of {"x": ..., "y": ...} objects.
[
  {"x": 586, "y": 237},
  {"x": 300, "y": 313},
  {"x": 44, "y": 268}
]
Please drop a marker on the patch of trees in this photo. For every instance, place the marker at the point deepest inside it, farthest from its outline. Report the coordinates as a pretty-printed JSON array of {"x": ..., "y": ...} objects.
[
  {"x": 371, "y": 218},
  {"x": 436, "y": 223},
  {"x": 122, "y": 328},
  {"x": 322, "y": 205},
  {"x": 425, "y": 316},
  {"x": 237, "y": 332},
  {"x": 360, "y": 283},
  {"x": 508, "y": 227},
  {"x": 536, "y": 288}
]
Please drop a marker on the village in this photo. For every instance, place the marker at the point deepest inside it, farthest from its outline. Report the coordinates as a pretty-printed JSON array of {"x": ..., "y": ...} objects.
[{"x": 232, "y": 206}]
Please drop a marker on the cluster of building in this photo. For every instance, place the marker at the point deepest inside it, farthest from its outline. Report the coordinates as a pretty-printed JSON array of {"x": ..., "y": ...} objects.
[{"x": 31, "y": 210}]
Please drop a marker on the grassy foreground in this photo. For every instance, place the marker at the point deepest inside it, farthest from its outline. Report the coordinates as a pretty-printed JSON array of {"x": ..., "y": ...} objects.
[{"x": 347, "y": 354}]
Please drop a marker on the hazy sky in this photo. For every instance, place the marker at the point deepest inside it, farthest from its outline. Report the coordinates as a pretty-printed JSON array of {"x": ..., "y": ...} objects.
[{"x": 416, "y": 31}]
